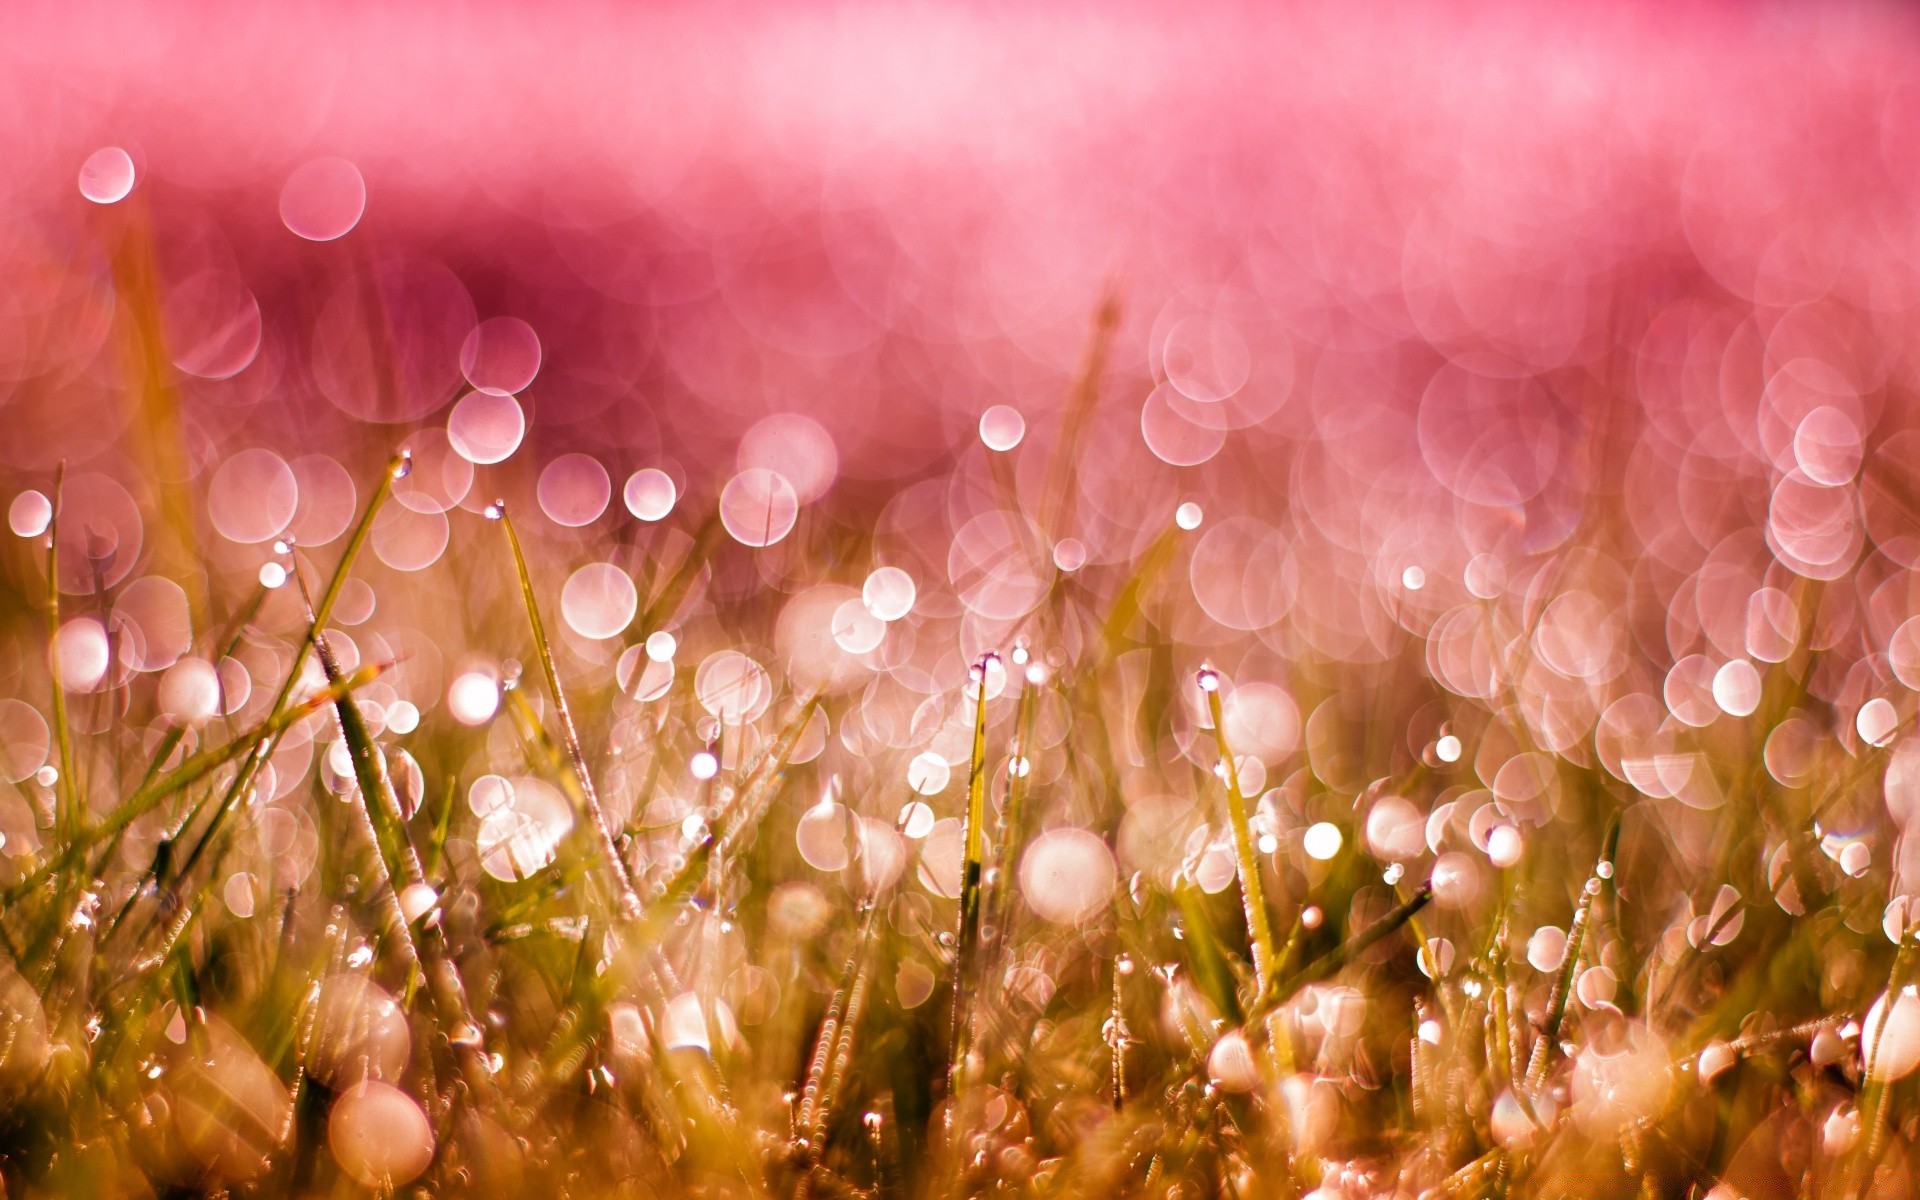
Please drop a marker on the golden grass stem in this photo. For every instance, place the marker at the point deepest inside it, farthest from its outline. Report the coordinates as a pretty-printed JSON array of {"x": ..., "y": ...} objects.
[
  {"x": 66, "y": 788},
  {"x": 967, "y": 945},
  {"x": 616, "y": 865},
  {"x": 145, "y": 799},
  {"x": 1252, "y": 894}
]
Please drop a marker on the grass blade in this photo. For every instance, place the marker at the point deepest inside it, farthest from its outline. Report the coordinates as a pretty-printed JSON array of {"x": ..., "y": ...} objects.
[
  {"x": 967, "y": 946},
  {"x": 1252, "y": 895},
  {"x": 616, "y": 865}
]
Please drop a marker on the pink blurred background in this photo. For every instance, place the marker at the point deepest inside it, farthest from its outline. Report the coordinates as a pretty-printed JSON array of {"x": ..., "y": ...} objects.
[{"x": 1406, "y": 284}]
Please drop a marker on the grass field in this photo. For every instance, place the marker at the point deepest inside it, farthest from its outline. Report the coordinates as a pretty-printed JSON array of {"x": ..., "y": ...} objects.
[{"x": 960, "y": 602}]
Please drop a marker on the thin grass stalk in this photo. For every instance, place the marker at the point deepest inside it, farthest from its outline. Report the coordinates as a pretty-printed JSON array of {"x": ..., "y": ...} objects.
[
  {"x": 1873, "y": 1086},
  {"x": 646, "y": 933},
  {"x": 1252, "y": 895},
  {"x": 242, "y": 782},
  {"x": 616, "y": 865},
  {"x": 146, "y": 799},
  {"x": 833, "y": 1050},
  {"x": 399, "y": 869},
  {"x": 66, "y": 793},
  {"x": 967, "y": 944},
  {"x": 1576, "y": 944},
  {"x": 322, "y": 613},
  {"x": 1333, "y": 960},
  {"x": 1057, "y": 503}
]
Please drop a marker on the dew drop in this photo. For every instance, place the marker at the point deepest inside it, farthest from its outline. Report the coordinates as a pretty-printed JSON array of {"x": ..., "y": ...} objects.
[
  {"x": 29, "y": 514},
  {"x": 1002, "y": 428},
  {"x": 473, "y": 698},
  {"x": 1322, "y": 840},
  {"x": 107, "y": 175},
  {"x": 650, "y": 494}
]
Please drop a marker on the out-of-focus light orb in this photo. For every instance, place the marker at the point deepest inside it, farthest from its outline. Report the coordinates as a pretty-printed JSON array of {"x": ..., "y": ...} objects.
[
  {"x": 1413, "y": 578},
  {"x": 1002, "y": 428},
  {"x": 1322, "y": 840},
  {"x": 473, "y": 697},
  {"x": 1457, "y": 881},
  {"x": 1890, "y": 1038},
  {"x": 29, "y": 514},
  {"x": 1069, "y": 554},
  {"x": 685, "y": 1026},
  {"x": 1625, "y": 1081},
  {"x": 913, "y": 983},
  {"x": 359, "y": 1032},
  {"x": 323, "y": 199},
  {"x": 1485, "y": 576},
  {"x": 704, "y": 765},
  {"x": 1876, "y": 722},
  {"x": 1826, "y": 446},
  {"x": 759, "y": 507},
  {"x": 821, "y": 836},
  {"x": 189, "y": 692},
  {"x": 661, "y": 646},
  {"x": 485, "y": 427},
  {"x": 855, "y": 629},
  {"x": 1716, "y": 1060},
  {"x": 24, "y": 740},
  {"x": 1855, "y": 858},
  {"x": 599, "y": 601},
  {"x": 574, "y": 490},
  {"x": 732, "y": 686},
  {"x": 379, "y": 1136},
  {"x": 1178, "y": 431},
  {"x": 490, "y": 794},
  {"x": 796, "y": 448},
  {"x": 1736, "y": 688},
  {"x": 650, "y": 493},
  {"x": 642, "y": 676},
  {"x": 237, "y": 894},
  {"x": 107, "y": 175},
  {"x": 1447, "y": 749},
  {"x": 1067, "y": 875},
  {"x": 417, "y": 900},
  {"x": 1505, "y": 846},
  {"x": 501, "y": 355},
  {"x": 928, "y": 774},
  {"x": 80, "y": 649},
  {"x": 272, "y": 575},
  {"x": 522, "y": 839},
  {"x": 888, "y": 593},
  {"x": 1188, "y": 515},
  {"x": 1395, "y": 829},
  {"x": 916, "y": 819},
  {"x": 253, "y": 496},
  {"x": 1230, "y": 1065},
  {"x": 403, "y": 717},
  {"x": 1206, "y": 358},
  {"x": 1510, "y": 1123},
  {"x": 1547, "y": 948},
  {"x": 1838, "y": 1133}
]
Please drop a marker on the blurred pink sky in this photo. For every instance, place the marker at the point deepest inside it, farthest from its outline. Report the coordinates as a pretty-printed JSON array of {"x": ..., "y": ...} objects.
[{"x": 890, "y": 218}]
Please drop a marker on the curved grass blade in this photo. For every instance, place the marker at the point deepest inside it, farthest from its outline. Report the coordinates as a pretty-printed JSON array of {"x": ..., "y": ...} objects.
[
  {"x": 146, "y": 799},
  {"x": 67, "y": 795},
  {"x": 396, "y": 469},
  {"x": 1252, "y": 895},
  {"x": 400, "y": 868},
  {"x": 570, "y": 736},
  {"x": 967, "y": 946}
]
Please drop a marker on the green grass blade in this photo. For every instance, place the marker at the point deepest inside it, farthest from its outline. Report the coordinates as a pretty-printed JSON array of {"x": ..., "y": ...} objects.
[{"x": 616, "y": 865}]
